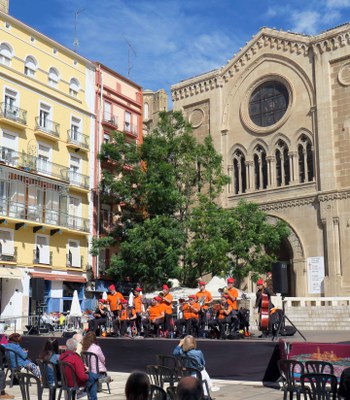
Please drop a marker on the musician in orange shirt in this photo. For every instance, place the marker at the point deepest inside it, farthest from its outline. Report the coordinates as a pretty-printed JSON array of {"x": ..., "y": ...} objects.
[
  {"x": 204, "y": 299},
  {"x": 167, "y": 301},
  {"x": 126, "y": 316},
  {"x": 190, "y": 311},
  {"x": 155, "y": 317},
  {"x": 223, "y": 316},
  {"x": 137, "y": 302},
  {"x": 113, "y": 300}
]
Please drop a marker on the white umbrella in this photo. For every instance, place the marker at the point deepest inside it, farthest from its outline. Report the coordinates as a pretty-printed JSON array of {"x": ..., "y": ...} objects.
[{"x": 75, "y": 309}]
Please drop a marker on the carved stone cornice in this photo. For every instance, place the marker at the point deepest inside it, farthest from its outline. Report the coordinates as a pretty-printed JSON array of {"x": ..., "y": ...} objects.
[
  {"x": 344, "y": 195},
  {"x": 278, "y": 205}
]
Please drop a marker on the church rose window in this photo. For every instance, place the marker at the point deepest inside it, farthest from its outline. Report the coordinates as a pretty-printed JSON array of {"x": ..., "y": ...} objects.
[{"x": 268, "y": 103}]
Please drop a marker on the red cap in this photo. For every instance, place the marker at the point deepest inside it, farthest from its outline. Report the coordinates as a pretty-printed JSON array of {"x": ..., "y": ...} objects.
[
  {"x": 165, "y": 287},
  {"x": 101, "y": 301},
  {"x": 192, "y": 296},
  {"x": 111, "y": 287},
  {"x": 123, "y": 301},
  {"x": 260, "y": 282},
  {"x": 230, "y": 280},
  {"x": 201, "y": 283},
  {"x": 138, "y": 289},
  {"x": 157, "y": 298}
]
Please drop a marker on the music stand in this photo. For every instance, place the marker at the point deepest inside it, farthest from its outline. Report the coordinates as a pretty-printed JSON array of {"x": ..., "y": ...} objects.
[{"x": 282, "y": 325}]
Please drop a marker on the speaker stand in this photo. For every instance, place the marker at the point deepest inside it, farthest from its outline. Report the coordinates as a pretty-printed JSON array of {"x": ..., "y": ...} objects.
[{"x": 282, "y": 324}]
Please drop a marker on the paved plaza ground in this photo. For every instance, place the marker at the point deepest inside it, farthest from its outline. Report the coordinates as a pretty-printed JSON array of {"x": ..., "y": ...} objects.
[{"x": 229, "y": 390}]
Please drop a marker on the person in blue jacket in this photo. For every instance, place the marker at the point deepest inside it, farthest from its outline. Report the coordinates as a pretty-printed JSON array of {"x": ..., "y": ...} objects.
[{"x": 22, "y": 355}]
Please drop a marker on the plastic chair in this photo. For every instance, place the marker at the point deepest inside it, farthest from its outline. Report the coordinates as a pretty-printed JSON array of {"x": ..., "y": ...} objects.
[
  {"x": 170, "y": 362},
  {"x": 157, "y": 393},
  {"x": 189, "y": 362},
  {"x": 171, "y": 391},
  {"x": 153, "y": 374},
  {"x": 28, "y": 382},
  {"x": 91, "y": 359},
  {"x": 319, "y": 386},
  {"x": 12, "y": 364},
  {"x": 70, "y": 390},
  {"x": 319, "y": 367},
  {"x": 289, "y": 370},
  {"x": 44, "y": 367}
]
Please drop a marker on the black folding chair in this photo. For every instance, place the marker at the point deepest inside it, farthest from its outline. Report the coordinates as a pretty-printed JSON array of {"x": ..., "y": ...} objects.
[
  {"x": 45, "y": 368},
  {"x": 30, "y": 386},
  {"x": 319, "y": 367},
  {"x": 71, "y": 391},
  {"x": 92, "y": 359},
  {"x": 157, "y": 393},
  {"x": 289, "y": 369},
  {"x": 319, "y": 386}
]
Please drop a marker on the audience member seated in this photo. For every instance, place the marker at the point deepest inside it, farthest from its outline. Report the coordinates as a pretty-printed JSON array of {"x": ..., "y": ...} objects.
[
  {"x": 137, "y": 386},
  {"x": 189, "y": 388},
  {"x": 188, "y": 347},
  {"x": 344, "y": 384},
  {"x": 155, "y": 317},
  {"x": 90, "y": 344},
  {"x": 22, "y": 355},
  {"x": 50, "y": 353},
  {"x": 79, "y": 338},
  {"x": 100, "y": 316},
  {"x": 84, "y": 380}
]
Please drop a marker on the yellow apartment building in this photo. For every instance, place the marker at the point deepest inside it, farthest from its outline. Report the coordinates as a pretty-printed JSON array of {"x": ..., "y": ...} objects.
[{"x": 46, "y": 149}]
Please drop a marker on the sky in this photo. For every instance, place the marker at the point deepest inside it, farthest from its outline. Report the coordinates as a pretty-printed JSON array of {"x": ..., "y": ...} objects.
[{"x": 158, "y": 43}]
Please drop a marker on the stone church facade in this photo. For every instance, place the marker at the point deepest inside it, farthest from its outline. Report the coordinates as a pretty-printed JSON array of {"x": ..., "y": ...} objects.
[{"x": 279, "y": 113}]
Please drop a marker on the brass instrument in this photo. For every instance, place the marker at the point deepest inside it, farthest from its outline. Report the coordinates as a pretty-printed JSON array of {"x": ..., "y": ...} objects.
[
  {"x": 223, "y": 290},
  {"x": 161, "y": 294}
]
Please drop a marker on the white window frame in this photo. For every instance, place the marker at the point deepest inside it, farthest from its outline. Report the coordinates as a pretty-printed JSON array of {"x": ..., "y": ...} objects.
[
  {"x": 44, "y": 162},
  {"x": 30, "y": 66},
  {"x": 44, "y": 256},
  {"x": 53, "y": 77},
  {"x": 9, "y": 248},
  {"x": 76, "y": 255},
  {"x": 74, "y": 87},
  {"x": 6, "y": 54}
]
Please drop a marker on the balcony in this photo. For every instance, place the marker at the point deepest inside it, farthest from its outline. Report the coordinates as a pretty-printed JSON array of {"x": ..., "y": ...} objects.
[
  {"x": 8, "y": 258},
  {"x": 106, "y": 220},
  {"x": 42, "y": 257},
  {"x": 77, "y": 140},
  {"x": 38, "y": 214},
  {"x": 110, "y": 120},
  {"x": 80, "y": 181},
  {"x": 13, "y": 116},
  {"x": 70, "y": 263},
  {"x": 29, "y": 163},
  {"x": 47, "y": 128},
  {"x": 130, "y": 129}
]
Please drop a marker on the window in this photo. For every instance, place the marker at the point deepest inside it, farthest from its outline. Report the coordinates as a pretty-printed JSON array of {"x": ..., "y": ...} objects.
[
  {"x": 5, "y": 54},
  {"x": 74, "y": 220},
  {"x": 75, "y": 129},
  {"x": 53, "y": 77},
  {"x": 35, "y": 202},
  {"x": 44, "y": 157},
  {"x": 239, "y": 172},
  {"x": 9, "y": 145},
  {"x": 107, "y": 116},
  {"x": 74, "y": 87},
  {"x": 75, "y": 176},
  {"x": 17, "y": 199},
  {"x": 42, "y": 250},
  {"x": 106, "y": 138},
  {"x": 305, "y": 160},
  {"x": 127, "y": 124},
  {"x": 146, "y": 111},
  {"x": 52, "y": 206},
  {"x": 268, "y": 103},
  {"x": 260, "y": 168},
  {"x": 6, "y": 242},
  {"x": 44, "y": 117},
  {"x": 30, "y": 66},
  {"x": 282, "y": 164},
  {"x": 73, "y": 256}
]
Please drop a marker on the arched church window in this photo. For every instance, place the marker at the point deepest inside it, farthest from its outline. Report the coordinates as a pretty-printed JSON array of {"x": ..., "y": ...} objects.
[
  {"x": 239, "y": 173},
  {"x": 260, "y": 168},
  {"x": 305, "y": 160},
  {"x": 282, "y": 164}
]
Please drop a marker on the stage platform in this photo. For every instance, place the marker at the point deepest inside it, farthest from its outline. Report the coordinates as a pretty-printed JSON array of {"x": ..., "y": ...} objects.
[{"x": 244, "y": 359}]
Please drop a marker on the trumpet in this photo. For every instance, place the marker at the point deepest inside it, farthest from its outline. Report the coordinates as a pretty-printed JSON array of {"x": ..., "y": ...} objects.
[
  {"x": 223, "y": 290},
  {"x": 161, "y": 294}
]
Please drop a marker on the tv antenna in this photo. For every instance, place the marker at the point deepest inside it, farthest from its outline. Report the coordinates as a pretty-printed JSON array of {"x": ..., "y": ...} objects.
[
  {"x": 76, "y": 41},
  {"x": 130, "y": 49}
]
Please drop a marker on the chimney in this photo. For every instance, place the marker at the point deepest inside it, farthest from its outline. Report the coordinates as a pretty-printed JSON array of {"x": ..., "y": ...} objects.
[{"x": 4, "y": 6}]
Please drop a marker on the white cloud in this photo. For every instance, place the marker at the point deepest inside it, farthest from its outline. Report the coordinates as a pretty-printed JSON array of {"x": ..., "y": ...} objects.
[
  {"x": 338, "y": 3},
  {"x": 306, "y": 22}
]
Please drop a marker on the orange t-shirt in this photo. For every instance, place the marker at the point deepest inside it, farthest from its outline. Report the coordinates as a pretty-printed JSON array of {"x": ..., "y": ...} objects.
[
  {"x": 168, "y": 308},
  {"x": 191, "y": 313},
  {"x": 222, "y": 313},
  {"x": 113, "y": 301},
  {"x": 138, "y": 303},
  {"x": 126, "y": 313},
  {"x": 155, "y": 311},
  {"x": 234, "y": 293},
  {"x": 208, "y": 297}
]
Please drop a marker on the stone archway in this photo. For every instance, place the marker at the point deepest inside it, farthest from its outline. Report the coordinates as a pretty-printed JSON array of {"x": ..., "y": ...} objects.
[{"x": 291, "y": 252}]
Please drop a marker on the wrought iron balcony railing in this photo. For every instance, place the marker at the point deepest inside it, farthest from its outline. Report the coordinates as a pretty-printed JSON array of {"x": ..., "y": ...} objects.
[
  {"x": 79, "y": 180},
  {"x": 78, "y": 139},
  {"x": 110, "y": 118},
  {"x": 47, "y": 126},
  {"x": 13, "y": 113},
  {"x": 131, "y": 129}
]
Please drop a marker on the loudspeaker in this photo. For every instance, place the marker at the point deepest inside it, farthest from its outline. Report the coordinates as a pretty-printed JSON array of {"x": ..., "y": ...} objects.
[
  {"x": 280, "y": 277},
  {"x": 38, "y": 287},
  {"x": 68, "y": 334}
]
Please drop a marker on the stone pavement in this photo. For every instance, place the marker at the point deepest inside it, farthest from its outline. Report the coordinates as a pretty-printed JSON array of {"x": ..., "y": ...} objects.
[{"x": 236, "y": 390}]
